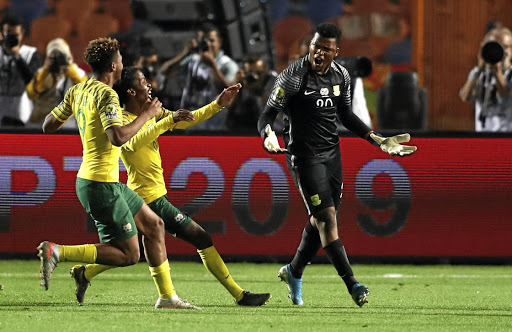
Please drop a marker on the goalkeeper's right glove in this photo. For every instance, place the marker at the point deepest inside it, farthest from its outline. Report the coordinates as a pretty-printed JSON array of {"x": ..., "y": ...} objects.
[{"x": 271, "y": 144}]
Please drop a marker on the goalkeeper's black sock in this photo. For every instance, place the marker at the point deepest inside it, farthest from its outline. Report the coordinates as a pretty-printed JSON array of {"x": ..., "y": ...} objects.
[
  {"x": 307, "y": 249},
  {"x": 338, "y": 257}
]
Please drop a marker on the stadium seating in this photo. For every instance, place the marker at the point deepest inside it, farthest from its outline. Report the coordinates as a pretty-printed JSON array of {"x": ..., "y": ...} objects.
[
  {"x": 120, "y": 9},
  {"x": 97, "y": 25},
  {"x": 4, "y": 4},
  {"x": 286, "y": 32},
  {"x": 47, "y": 28},
  {"x": 369, "y": 6},
  {"x": 355, "y": 47},
  {"x": 76, "y": 11}
]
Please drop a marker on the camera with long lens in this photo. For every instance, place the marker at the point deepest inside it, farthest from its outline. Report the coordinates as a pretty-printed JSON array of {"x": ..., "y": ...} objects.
[
  {"x": 58, "y": 60},
  {"x": 251, "y": 77},
  {"x": 11, "y": 40},
  {"x": 357, "y": 66},
  {"x": 492, "y": 52},
  {"x": 203, "y": 46}
]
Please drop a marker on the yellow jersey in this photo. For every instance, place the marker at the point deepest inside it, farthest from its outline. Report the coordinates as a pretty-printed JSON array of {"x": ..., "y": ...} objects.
[
  {"x": 141, "y": 155},
  {"x": 96, "y": 108}
]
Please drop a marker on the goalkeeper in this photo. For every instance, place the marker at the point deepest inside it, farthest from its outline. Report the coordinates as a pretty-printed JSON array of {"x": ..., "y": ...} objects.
[
  {"x": 313, "y": 92},
  {"x": 142, "y": 159}
]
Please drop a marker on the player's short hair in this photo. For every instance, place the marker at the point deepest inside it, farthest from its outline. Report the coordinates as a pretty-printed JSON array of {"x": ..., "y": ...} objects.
[
  {"x": 125, "y": 83},
  {"x": 328, "y": 30},
  {"x": 100, "y": 53}
]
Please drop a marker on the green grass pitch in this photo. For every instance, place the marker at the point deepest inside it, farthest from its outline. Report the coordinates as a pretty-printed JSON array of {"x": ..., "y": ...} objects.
[{"x": 402, "y": 298}]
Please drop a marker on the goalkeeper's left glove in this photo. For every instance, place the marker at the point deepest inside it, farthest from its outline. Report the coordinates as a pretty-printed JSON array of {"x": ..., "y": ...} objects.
[{"x": 392, "y": 144}]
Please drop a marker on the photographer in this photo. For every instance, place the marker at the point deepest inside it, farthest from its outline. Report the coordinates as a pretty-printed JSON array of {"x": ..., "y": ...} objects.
[
  {"x": 207, "y": 72},
  {"x": 488, "y": 85},
  {"x": 257, "y": 81},
  {"x": 48, "y": 87},
  {"x": 18, "y": 64}
]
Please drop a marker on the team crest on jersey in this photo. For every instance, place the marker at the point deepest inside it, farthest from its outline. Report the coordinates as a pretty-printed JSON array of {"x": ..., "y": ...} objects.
[
  {"x": 336, "y": 90},
  {"x": 179, "y": 217},
  {"x": 111, "y": 112},
  {"x": 127, "y": 227},
  {"x": 278, "y": 94},
  {"x": 315, "y": 200},
  {"x": 324, "y": 91}
]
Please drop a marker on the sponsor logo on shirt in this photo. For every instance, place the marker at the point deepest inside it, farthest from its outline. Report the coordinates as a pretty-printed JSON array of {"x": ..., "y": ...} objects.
[
  {"x": 111, "y": 112},
  {"x": 278, "y": 94},
  {"x": 336, "y": 90}
]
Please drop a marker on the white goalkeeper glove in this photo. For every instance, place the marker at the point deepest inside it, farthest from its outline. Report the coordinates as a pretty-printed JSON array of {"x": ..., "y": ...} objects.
[
  {"x": 392, "y": 144},
  {"x": 271, "y": 144}
]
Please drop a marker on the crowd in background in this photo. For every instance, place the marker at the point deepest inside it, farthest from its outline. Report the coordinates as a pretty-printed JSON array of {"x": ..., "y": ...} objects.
[
  {"x": 36, "y": 82},
  {"x": 32, "y": 82}
]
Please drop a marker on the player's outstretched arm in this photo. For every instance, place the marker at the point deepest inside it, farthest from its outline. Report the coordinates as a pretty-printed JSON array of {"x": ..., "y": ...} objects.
[
  {"x": 393, "y": 146},
  {"x": 228, "y": 95},
  {"x": 225, "y": 99},
  {"x": 148, "y": 135}
]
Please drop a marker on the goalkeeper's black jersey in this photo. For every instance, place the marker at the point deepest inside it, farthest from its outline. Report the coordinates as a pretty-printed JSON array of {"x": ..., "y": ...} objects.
[{"x": 312, "y": 104}]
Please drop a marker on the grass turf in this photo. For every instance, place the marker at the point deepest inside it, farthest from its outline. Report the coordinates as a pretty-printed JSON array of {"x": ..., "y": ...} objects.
[{"x": 402, "y": 298}]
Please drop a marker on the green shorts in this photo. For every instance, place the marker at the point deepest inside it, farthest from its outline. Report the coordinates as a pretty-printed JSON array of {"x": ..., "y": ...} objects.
[
  {"x": 175, "y": 221},
  {"x": 112, "y": 206}
]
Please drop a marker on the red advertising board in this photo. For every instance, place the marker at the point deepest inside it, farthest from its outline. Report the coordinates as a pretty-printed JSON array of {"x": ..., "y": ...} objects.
[{"x": 452, "y": 198}]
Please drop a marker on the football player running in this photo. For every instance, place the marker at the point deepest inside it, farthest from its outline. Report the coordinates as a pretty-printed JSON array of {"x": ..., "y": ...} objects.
[{"x": 143, "y": 162}]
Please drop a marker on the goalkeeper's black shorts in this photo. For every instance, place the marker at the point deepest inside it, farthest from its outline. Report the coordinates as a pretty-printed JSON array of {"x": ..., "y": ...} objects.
[{"x": 318, "y": 179}]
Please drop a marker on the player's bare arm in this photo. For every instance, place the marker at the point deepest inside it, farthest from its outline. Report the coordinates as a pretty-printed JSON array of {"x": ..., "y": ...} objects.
[
  {"x": 228, "y": 95},
  {"x": 51, "y": 124}
]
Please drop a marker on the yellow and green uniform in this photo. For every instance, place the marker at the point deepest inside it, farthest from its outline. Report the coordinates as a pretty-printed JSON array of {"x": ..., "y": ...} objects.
[
  {"x": 141, "y": 156},
  {"x": 110, "y": 203}
]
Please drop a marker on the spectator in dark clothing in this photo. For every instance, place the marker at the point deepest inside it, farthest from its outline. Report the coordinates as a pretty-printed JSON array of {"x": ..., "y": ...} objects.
[
  {"x": 18, "y": 63},
  {"x": 257, "y": 82}
]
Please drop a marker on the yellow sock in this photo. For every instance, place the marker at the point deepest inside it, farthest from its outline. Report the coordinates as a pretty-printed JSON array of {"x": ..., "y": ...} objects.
[
  {"x": 162, "y": 277},
  {"x": 214, "y": 263},
  {"x": 85, "y": 253},
  {"x": 92, "y": 270}
]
